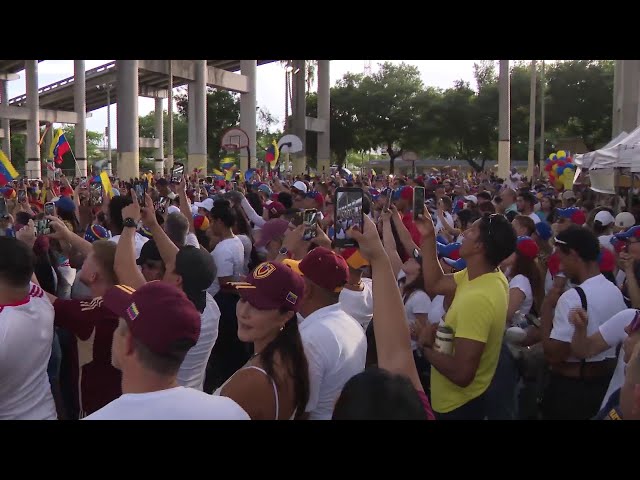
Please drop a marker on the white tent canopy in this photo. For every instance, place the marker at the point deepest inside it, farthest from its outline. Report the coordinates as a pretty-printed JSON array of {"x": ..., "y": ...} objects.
[{"x": 621, "y": 152}]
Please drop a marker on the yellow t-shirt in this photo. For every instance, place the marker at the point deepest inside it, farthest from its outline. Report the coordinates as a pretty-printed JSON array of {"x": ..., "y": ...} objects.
[{"x": 478, "y": 312}]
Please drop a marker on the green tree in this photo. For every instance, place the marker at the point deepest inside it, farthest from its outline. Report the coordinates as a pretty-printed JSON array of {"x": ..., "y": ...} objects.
[
  {"x": 223, "y": 112},
  {"x": 180, "y": 134},
  {"x": 387, "y": 107}
]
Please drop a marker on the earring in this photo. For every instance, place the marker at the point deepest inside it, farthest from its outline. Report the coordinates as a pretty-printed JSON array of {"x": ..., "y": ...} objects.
[{"x": 282, "y": 328}]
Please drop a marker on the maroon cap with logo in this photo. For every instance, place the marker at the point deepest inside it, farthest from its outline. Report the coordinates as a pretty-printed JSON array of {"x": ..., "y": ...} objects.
[
  {"x": 272, "y": 286},
  {"x": 158, "y": 314},
  {"x": 325, "y": 268}
]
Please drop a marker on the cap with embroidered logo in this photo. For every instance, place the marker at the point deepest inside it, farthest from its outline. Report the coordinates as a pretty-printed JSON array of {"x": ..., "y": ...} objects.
[{"x": 272, "y": 286}]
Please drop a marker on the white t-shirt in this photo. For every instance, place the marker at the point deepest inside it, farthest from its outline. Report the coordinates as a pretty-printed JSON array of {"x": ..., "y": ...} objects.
[
  {"x": 194, "y": 366},
  {"x": 26, "y": 335},
  {"x": 229, "y": 259},
  {"x": 336, "y": 349},
  {"x": 605, "y": 242},
  {"x": 178, "y": 403},
  {"x": 523, "y": 284},
  {"x": 437, "y": 311},
  {"x": 604, "y": 300},
  {"x": 613, "y": 333},
  {"x": 192, "y": 240},
  {"x": 514, "y": 183},
  {"x": 247, "y": 245},
  {"x": 534, "y": 217},
  {"x": 359, "y": 304},
  {"x": 620, "y": 278},
  {"x": 139, "y": 242},
  {"x": 418, "y": 302},
  {"x": 448, "y": 218}
]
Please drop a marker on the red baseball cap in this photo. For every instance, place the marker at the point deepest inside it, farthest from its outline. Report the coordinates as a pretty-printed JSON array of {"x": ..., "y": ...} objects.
[
  {"x": 407, "y": 193},
  {"x": 158, "y": 314},
  {"x": 325, "y": 268},
  {"x": 275, "y": 209},
  {"x": 272, "y": 286},
  {"x": 527, "y": 247},
  {"x": 271, "y": 230}
]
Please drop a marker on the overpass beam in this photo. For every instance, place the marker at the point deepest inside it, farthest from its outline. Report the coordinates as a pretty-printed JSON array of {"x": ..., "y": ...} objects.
[
  {"x": 33, "y": 124},
  {"x": 127, "y": 120},
  {"x": 80, "y": 107},
  {"x": 197, "y": 118},
  {"x": 6, "y": 123},
  {"x": 299, "y": 108},
  {"x": 248, "y": 114},
  {"x": 159, "y": 134},
  {"x": 170, "y": 112},
  {"x": 324, "y": 114}
]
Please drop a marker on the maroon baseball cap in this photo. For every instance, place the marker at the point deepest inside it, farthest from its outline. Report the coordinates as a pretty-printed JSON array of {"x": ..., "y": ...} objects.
[
  {"x": 158, "y": 314},
  {"x": 272, "y": 229},
  {"x": 325, "y": 268},
  {"x": 275, "y": 209},
  {"x": 272, "y": 286}
]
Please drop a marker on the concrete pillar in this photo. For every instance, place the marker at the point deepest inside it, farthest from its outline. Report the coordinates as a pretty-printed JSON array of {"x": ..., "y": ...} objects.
[
  {"x": 33, "y": 124},
  {"x": 169, "y": 163},
  {"x": 248, "y": 114},
  {"x": 127, "y": 120},
  {"x": 46, "y": 148},
  {"x": 532, "y": 121},
  {"x": 6, "y": 123},
  {"x": 197, "y": 153},
  {"x": 504, "y": 120},
  {"x": 630, "y": 95},
  {"x": 324, "y": 113},
  {"x": 80, "y": 107},
  {"x": 159, "y": 133},
  {"x": 299, "y": 114}
]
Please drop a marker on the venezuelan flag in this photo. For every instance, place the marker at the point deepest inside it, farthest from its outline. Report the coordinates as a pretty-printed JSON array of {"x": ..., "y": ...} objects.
[
  {"x": 106, "y": 184},
  {"x": 230, "y": 173},
  {"x": 7, "y": 172},
  {"x": 59, "y": 148},
  {"x": 273, "y": 153}
]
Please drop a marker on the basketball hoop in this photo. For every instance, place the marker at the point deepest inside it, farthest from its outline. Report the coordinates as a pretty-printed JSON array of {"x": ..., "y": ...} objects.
[{"x": 231, "y": 147}]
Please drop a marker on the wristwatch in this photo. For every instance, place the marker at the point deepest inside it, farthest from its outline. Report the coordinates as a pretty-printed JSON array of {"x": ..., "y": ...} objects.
[
  {"x": 284, "y": 251},
  {"x": 416, "y": 256},
  {"x": 130, "y": 223}
]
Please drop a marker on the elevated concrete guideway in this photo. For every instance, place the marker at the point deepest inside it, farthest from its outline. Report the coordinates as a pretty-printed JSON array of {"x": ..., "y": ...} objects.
[{"x": 152, "y": 82}]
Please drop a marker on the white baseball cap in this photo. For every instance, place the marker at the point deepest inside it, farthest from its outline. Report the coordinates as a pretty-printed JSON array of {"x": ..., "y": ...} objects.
[
  {"x": 625, "y": 220},
  {"x": 173, "y": 209},
  {"x": 471, "y": 198},
  {"x": 604, "y": 217},
  {"x": 301, "y": 186},
  {"x": 207, "y": 204}
]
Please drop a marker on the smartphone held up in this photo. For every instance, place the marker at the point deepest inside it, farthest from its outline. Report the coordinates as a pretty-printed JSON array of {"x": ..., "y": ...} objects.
[
  {"x": 348, "y": 214},
  {"x": 310, "y": 224}
]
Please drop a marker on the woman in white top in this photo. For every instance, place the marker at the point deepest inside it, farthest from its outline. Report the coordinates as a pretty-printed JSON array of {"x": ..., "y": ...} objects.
[
  {"x": 525, "y": 281},
  {"x": 603, "y": 223},
  {"x": 274, "y": 383}
]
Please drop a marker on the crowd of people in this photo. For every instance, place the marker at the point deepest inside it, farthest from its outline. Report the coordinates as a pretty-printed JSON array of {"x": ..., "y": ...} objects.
[{"x": 198, "y": 298}]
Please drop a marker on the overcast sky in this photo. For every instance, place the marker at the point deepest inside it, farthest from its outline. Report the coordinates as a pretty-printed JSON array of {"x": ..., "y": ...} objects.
[{"x": 270, "y": 83}]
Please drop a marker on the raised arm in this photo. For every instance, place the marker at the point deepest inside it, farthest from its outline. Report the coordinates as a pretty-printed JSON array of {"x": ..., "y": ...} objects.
[
  {"x": 403, "y": 234},
  {"x": 435, "y": 280},
  {"x": 185, "y": 205},
  {"x": 166, "y": 247},
  {"x": 390, "y": 325},
  {"x": 125, "y": 262},
  {"x": 62, "y": 233},
  {"x": 390, "y": 244},
  {"x": 257, "y": 220}
]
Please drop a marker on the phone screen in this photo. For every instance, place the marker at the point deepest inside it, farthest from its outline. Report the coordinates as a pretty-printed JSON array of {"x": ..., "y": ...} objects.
[
  {"x": 22, "y": 196},
  {"x": 140, "y": 191},
  {"x": 310, "y": 224},
  {"x": 298, "y": 218},
  {"x": 348, "y": 214},
  {"x": 177, "y": 172},
  {"x": 96, "y": 194},
  {"x": 418, "y": 202},
  {"x": 387, "y": 205},
  {"x": 49, "y": 208}
]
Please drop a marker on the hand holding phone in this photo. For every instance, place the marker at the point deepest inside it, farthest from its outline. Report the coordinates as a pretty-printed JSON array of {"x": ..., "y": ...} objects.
[
  {"x": 310, "y": 224},
  {"x": 348, "y": 214},
  {"x": 418, "y": 202}
]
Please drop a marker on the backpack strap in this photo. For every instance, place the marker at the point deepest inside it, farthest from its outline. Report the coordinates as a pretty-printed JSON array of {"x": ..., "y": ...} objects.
[{"x": 583, "y": 300}]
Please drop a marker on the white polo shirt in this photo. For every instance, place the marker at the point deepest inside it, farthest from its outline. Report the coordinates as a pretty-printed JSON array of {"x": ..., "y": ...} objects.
[
  {"x": 178, "y": 403},
  {"x": 336, "y": 348},
  {"x": 359, "y": 304},
  {"x": 194, "y": 366},
  {"x": 613, "y": 333},
  {"x": 604, "y": 300},
  {"x": 26, "y": 335}
]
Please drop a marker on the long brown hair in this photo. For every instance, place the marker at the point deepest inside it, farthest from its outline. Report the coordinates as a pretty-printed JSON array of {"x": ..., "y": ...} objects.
[
  {"x": 416, "y": 284},
  {"x": 529, "y": 268}
]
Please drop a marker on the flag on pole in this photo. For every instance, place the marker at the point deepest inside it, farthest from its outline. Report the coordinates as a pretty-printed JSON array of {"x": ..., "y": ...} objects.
[
  {"x": 7, "y": 172},
  {"x": 61, "y": 152},
  {"x": 106, "y": 184},
  {"x": 272, "y": 155}
]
